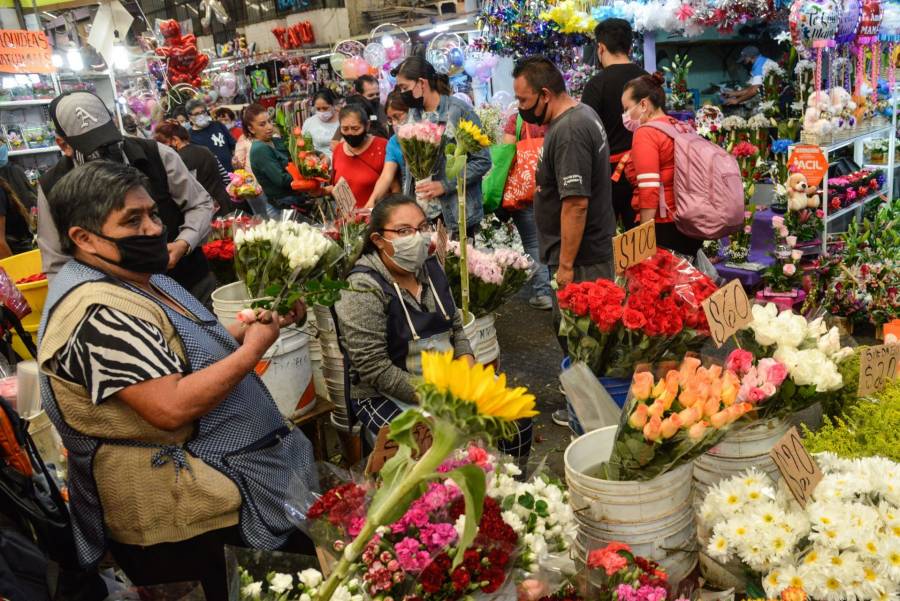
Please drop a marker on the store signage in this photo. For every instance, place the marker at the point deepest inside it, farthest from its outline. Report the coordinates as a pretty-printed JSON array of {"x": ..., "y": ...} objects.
[
  {"x": 25, "y": 52},
  {"x": 810, "y": 161},
  {"x": 727, "y": 311},
  {"x": 634, "y": 246},
  {"x": 877, "y": 365},
  {"x": 800, "y": 471},
  {"x": 386, "y": 447}
]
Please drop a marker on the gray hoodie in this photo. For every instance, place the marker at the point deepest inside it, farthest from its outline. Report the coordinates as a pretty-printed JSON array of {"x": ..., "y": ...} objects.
[{"x": 362, "y": 320}]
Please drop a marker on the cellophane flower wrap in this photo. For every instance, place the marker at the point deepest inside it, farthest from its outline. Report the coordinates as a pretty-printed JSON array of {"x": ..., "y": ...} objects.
[
  {"x": 808, "y": 349},
  {"x": 654, "y": 314},
  {"x": 674, "y": 420},
  {"x": 494, "y": 276},
  {"x": 624, "y": 576},
  {"x": 349, "y": 233},
  {"x": 420, "y": 144},
  {"x": 243, "y": 185},
  {"x": 219, "y": 250},
  {"x": 842, "y": 545},
  {"x": 269, "y": 253}
]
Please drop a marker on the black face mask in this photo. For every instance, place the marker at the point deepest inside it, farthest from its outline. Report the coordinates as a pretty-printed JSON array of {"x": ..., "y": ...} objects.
[
  {"x": 355, "y": 140},
  {"x": 140, "y": 254},
  {"x": 531, "y": 115},
  {"x": 411, "y": 101}
]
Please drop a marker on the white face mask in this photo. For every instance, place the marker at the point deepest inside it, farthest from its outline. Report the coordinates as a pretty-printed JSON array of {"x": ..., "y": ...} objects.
[
  {"x": 201, "y": 121},
  {"x": 410, "y": 252},
  {"x": 326, "y": 115}
]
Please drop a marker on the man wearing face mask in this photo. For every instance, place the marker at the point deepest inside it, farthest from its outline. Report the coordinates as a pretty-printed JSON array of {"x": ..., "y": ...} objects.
[
  {"x": 572, "y": 206},
  {"x": 85, "y": 132},
  {"x": 212, "y": 134}
]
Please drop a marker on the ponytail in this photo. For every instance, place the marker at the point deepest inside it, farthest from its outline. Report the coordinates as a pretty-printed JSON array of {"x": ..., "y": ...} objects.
[
  {"x": 442, "y": 84},
  {"x": 649, "y": 87},
  {"x": 14, "y": 200}
]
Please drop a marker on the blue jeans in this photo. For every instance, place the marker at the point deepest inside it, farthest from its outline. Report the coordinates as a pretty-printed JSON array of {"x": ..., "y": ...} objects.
[{"x": 524, "y": 220}]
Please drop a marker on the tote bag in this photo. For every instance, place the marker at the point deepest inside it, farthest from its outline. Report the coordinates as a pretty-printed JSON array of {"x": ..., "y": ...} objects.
[
  {"x": 519, "y": 190},
  {"x": 494, "y": 181}
]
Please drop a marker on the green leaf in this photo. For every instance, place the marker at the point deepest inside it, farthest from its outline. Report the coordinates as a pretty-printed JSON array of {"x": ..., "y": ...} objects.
[
  {"x": 508, "y": 502},
  {"x": 402, "y": 427},
  {"x": 541, "y": 509},
  {"x": 526, "y": 501},
  {"x": 392, "y": 472},
  {"x": 471, "y": 480}
]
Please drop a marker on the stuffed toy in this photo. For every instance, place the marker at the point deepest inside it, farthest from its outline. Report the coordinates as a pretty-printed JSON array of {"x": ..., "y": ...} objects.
[
  {"x": 183, "y": 61},
  {"x": 798, "y": 193}
]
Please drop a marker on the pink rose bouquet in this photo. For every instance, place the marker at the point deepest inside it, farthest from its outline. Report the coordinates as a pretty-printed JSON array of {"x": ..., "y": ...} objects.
[{"x": 421, "y": 145}]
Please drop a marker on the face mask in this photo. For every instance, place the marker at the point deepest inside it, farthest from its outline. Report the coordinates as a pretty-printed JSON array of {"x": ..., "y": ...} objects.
[
  {"x": 410, "y": 252},
  {"x": 411, "y": 101},
  {"x": 326, "y": 115},
  {"x": 531, "y": 115},
  {"x": 355, "y": 140},
  {"x": 201, "y": 121},
  {"x": 630, "y": 123},
  {"x": 227, "y": 124},
  {"x": 140, "y": 254},
  {"x": 4, "y": 155}
]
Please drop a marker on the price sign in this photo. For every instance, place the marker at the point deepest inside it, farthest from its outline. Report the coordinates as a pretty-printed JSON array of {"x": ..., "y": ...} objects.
[
  {"x": 343, "y": 197},
  {"x": 634, "y": 246},
  {"x": 440, "y": 245},
  {"x": 386, "y": 447},
  {"x": 877, "y": 365},
  {"x": 800, "y": 471},
  {"x": 727, "y": 311},
  {"x": 810, "y": 161}
]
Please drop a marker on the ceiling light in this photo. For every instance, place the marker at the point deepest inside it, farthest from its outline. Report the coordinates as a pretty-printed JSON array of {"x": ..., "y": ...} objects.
[
  {"x": 57, "y": 60},
  {"x": 73, "y": 56}
]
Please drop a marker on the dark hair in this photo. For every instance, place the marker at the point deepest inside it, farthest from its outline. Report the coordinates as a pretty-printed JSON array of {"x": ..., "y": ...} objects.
[
  {"x": 194, "y": 104},
  {"x": 380, "y": 216},
  {"x": 540, "y": 73},
  {"x": 171, "y": 129},
  {"x": 615, "y": 34},
  {"x": 649, "y": 87},
  {"x": 359, "y": 84},
  {"x": 129, "y": 124},
  {"x": 226, "y": 112},
  {"x": 395, "y": 101},
  {"x": 416, "y": 67},
  {"x": 326, "y": 95},
  {"x": 178, "y": 110},
  {"x": 359, "y": 111},
  {"x": 86, "y": 196},
  {"x": 17, "y": 203},
  {"x": 251, "y": 112}
]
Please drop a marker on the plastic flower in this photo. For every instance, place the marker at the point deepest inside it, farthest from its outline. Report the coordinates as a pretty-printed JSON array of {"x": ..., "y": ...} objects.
[{"x": 477, "y": 385}]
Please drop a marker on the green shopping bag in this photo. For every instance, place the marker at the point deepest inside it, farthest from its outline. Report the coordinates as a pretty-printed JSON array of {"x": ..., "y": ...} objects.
[{"x": 502, "y": 158}]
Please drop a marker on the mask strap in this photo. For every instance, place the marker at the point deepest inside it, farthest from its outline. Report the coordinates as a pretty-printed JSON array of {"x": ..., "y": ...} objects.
[
  {"x": 437, "y": 298},
  {"x": 406, "y": 312}
]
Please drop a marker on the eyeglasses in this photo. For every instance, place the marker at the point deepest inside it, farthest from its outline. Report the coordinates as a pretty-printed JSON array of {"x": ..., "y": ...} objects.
[
  {"x": 403, "y": 232},
  {"x": 200, "y": 113}
]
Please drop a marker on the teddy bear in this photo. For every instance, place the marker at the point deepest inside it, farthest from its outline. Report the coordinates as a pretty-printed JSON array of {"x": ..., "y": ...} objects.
[{"x": 800, "y": 195}]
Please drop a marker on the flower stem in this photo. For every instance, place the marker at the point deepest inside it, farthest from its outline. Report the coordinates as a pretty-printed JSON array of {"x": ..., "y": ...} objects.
[{"x": 463, "y": 252}]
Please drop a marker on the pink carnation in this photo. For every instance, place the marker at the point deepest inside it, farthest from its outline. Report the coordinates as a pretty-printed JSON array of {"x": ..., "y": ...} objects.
[
  {"x": 739, "y": 361},
  {"x": 437, "y": 536},
  {"x": 411, "y": 556}
]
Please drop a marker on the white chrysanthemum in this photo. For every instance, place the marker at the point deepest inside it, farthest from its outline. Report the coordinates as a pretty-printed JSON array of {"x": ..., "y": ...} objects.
[
  {"x": 718, "y": 548},
  {"x": 890, "y": 558},
  {"x": 311, "y": 578},
  {"x": 252, "y": 590},
  {"x": 774, "y": 582},
  {"x": 870, "y": 582},
  {"x": 281, "y": 583}
]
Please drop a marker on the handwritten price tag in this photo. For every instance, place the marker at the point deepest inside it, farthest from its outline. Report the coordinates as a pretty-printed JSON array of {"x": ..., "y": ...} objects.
[
  {"x": 386, "y": 447},
  {"x": 634, "y": 246},
  {"x": 877, "y": 365},
  {"x": 440, "y": 245},
  {"x": 343, "y": 198},
  {"x": 727, "y": 311},
  {"x": 800, "y": 471}
]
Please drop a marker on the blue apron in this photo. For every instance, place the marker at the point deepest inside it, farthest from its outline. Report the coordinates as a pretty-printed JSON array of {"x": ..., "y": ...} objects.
[{"x": 244, "y": 437}]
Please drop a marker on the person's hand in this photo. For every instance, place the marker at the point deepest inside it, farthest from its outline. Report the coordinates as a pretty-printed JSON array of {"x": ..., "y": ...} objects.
[
  {"x": 731, "y": 101},
  {"x": 329, "y": 190},
  {"x": 564, "y": 276},
  {"x": 370, "y": 205},
  {"x": 177, "y": 250},
  {"x": 429, "y": 190},
  {"x": 296, "y": 315},
  {"x": 262, "y": 331}
]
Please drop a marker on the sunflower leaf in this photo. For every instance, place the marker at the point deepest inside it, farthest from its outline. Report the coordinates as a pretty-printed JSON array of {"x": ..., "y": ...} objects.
[{"x": 471, "y": 481}]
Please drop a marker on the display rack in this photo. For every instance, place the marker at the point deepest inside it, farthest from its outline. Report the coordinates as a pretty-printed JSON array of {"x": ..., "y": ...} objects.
[{"x": 32, "y": 112}]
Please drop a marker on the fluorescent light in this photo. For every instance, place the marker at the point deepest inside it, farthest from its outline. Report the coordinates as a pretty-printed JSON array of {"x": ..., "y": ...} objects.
[
  {"x": 442, "y": 27},
  {"x": 73, "y": 56},
  {"x": 321, "y": 56},
  {"x": 120, "y": 59},
  {"x": 51, "y": 15},
  {"x": 9, "y": 83},
  {"x": 57, "y": 60}
]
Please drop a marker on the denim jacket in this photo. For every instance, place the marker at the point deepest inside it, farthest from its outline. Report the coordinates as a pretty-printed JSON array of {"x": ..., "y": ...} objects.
[{"x": 449, "y": 112}]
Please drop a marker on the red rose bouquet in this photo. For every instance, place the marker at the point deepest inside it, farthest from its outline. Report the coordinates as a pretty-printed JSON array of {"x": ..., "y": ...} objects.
[
  {"x": 219, "y": 251},
  {"x": 654, "y": 315}
]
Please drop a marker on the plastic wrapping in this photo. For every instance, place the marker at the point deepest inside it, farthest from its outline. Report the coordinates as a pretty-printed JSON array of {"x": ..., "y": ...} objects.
[
  {"x": 247, "y": 566},
  {"x": 12, "y": 296}
]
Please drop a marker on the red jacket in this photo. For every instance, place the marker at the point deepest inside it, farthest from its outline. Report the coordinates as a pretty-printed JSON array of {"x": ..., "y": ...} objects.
[{"x": 651, "y": 167}]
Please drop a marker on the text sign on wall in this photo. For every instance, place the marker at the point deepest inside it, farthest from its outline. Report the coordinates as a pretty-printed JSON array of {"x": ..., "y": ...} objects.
[{"x": 25, "y": 52}]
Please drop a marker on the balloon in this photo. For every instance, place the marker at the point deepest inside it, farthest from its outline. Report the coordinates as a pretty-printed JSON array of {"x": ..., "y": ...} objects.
[
  {"x": 445, "y": 53},
  {"x": 395, "y": 41},
  {"x": 337, "y": 62},
  {"x": 464, "y": 97},
  {"x": 817, "y": 21},
  {"x": 226, "y": 83},
  {"x": 502, "y": 98},
  {"x": 439, "y": 60},
  {"x": 890, "y": 23},
  {"x": 869, "y": 22},
  {"x": 794, "y": 27},
  {"x": 849, "y": 23},
  {"x": 484, "y": 71},
  {"x": 344, "y": 52},
  {"x": 471, "y": 66},
  {"x": 375, "y": 54}
]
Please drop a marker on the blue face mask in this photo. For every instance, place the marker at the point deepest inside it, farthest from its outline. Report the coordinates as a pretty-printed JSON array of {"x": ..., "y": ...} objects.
[{"x": 4, "y": 155}]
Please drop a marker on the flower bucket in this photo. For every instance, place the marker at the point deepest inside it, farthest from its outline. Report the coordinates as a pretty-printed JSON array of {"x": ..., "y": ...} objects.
[
  {"x": 482, "y": 335},
  {"x": 654, "y": 518},
  {"x": 616, "y": 387},
  {"x": 332, "y": 366}
]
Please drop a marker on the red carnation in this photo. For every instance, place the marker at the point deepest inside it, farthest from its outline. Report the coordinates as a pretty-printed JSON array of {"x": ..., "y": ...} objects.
[
  {"x": 579, "y": 306},
  {"x": 495, "y": 577},
  {"x": 460, "y": 579}
]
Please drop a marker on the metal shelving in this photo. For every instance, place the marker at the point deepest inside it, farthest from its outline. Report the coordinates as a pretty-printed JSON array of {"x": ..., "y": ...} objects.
[
  {"x": 15, "y": 104},
  {"x": 28, "y": 151}
]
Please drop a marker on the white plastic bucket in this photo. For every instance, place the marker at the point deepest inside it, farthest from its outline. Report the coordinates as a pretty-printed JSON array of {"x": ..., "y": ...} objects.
[
  {"x": 288, "y": 373},
  {"x": 740, "y": 449},
  {"x": 229, "y": 300},
  {"x": 332, "y": 366},
  {"x": 315, "y": 354},
  {"x": 654, "y": 517},
  {"x": 482, "y": 335}
]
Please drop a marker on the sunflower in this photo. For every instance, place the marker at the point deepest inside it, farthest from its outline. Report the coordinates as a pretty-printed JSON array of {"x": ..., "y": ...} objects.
[
  {"x": 477, "y": 385},
  {"x": 471, "y": 138}
]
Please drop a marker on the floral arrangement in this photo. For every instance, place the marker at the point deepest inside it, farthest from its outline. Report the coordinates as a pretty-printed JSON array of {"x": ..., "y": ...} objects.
[
  {"x": 709, "y": 121},
  {"x": 458, "y": 402},
  {"x": 577, "y": 79},
  {"x": 284, "y": 587},
  {"x": 349, "y": 233},
  {"x": 784, "y": 275},
  {"x": 492, "y": 120},
  {"x": 654, "y": 315},
  {"x": 674, "y": 420},
  {"x": 219, "y": 250},
  {"x": 846, "y": 190},
  {"x": 810, "y": 351},
  {"x": 243, "y": 185},
  {"x": 286, "y": 260},
  {"x": 804, "y": 224},
  {"x": 299, "y": 144},
  {"x": 778, "y": 170},
  {"x": 773, "y": 80},
  {"x": 626, "y": 576},
  {"x": 759, "y": 381},
  {"x": 747, "y": 155},
  {"x": 568, "y": 17},
  {"x": 680, "y": 97},
  {"x": 842, "y": 545},
  {"x": 495, "y": 276},
  {"x": 739, "y": 242},
  {"x": 421, "y": 145}
]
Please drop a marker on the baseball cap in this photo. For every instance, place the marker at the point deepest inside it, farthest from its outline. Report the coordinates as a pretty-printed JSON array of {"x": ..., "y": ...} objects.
[
  {"x": 749, "y": 52},
  {"x": 84, "y": 121}
]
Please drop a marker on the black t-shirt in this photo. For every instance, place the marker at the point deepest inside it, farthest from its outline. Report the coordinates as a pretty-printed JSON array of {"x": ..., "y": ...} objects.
[
  {"x": 18, "y": 236},
  {"x": 202, "y": 164},
  {"x": 575, "y": 162},
  {"x": 603, "y": 93}
]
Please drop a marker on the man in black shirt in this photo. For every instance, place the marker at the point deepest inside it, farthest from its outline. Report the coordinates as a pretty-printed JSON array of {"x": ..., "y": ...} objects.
[{"x": 603, "y": 93}]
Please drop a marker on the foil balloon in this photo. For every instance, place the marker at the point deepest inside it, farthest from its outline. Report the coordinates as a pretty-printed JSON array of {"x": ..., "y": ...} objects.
[
  {"x": 464, "y": 97},
  {"x": 395, "y": 41},
  {"x": 889, "y": 31},
  {"x": 445, "y": 53},
  {"x": 870, "y": 22},
  {"x": 817, "y": 22},
  {"x": 375, "y": 54},
  {"x": 849, "y": 22},
  {"x": 226, "y": 83},
  {"x": 343, "y": 51},
  {"x": 794, "y": 28}
]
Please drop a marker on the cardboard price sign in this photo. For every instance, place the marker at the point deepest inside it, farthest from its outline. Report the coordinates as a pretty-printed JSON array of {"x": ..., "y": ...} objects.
[
  {"x": 634, "y": 246},
  {"x": 386, "y": 447},
  {"x": 810, "y": 161},
  {"x": 343, "y": 198},
  {"x": 727, "y": 311},
  {"x": 800, "y": 471},
  {"x": 877, "y": 365}
]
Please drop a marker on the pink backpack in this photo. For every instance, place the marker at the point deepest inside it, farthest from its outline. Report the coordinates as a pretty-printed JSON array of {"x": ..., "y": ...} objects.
[{"x": 709, "y": 192}]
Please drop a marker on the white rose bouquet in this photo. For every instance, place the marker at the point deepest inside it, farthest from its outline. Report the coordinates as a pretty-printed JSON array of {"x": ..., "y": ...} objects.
[
  {"x": 304, "y": 586},
  {"x": 288, "y": 261}
]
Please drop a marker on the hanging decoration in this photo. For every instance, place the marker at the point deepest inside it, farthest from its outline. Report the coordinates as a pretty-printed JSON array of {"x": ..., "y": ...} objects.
[
  {"x": 296, "y": 36},
  {"x": 515, "y": 28},
  {"x": 889, "y": 32},
  {"x": 184, "y": 62},
  {"x": 867, "y": 36},
  {"x": 849, "y": 22},
  {"x": 388, "y": 46},
  {"x": 210, "y": 8},
  {"x": 446, "y": 52},
  {"x": 816, "y": 23}
]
